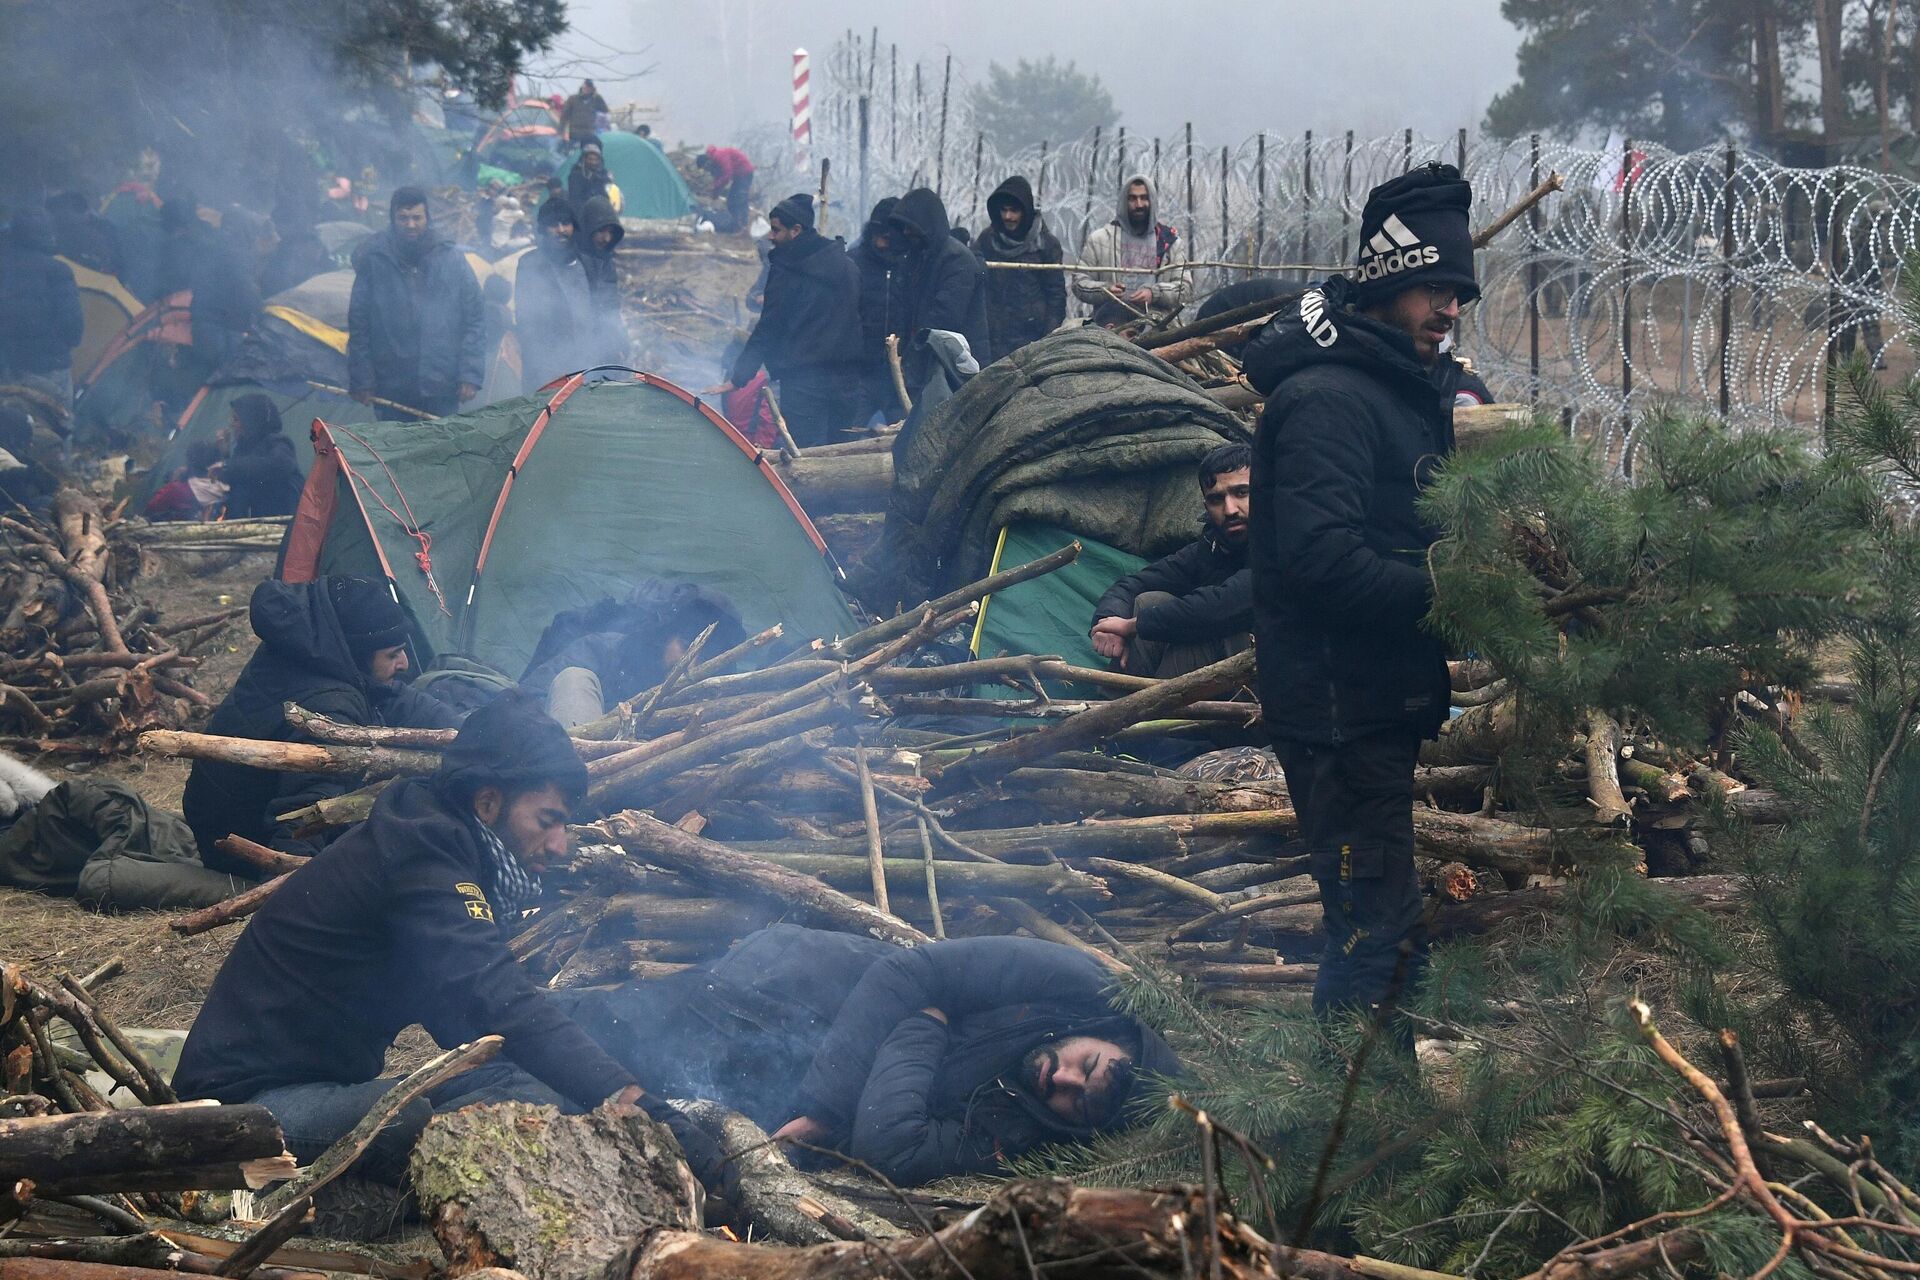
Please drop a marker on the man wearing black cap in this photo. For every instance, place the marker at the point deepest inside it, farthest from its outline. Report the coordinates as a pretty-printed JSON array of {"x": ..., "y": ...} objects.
[
  {"x": 336, "y": 646},
  {"x": 808, "y": 336},
  {"x": 403, "y": 920},
  {"x": 416, "y": 323},
  {"x": 1359, "y": 410}
]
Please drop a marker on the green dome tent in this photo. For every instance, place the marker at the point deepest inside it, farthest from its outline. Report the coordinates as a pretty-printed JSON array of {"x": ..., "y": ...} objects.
[
  {"x": 490, "y": 522},
  {"x": 650, "y": 187}
]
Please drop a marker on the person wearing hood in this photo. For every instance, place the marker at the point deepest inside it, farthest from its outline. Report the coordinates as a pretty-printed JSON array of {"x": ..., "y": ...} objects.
[
  {"x": 808, "y": 334},
  {"x": 1021, "y": 305},
  {"x": 214, "y": 267},
  {"x": 599, "y": 234},
  {"x": 589, "y": 177},
  {"x": 946, "y": 285},
  {"x": 40, "y": 318},
  {"x": 951, "y": 1058},
  {"x": 553, "y": 307},
  {"x": 416, "y": 323},
  {"x": 883, "y": 305},
  {"x": 1194, "y": 607},
  {"x": 1359, "y": 412},
  {"x": 336, "y": 646},
  {"x": 300, "y": 254},
  {"x": 262, "y": 475},
  {"x": 1141, "y": 249},
  {"x": 404, "y": 920}
]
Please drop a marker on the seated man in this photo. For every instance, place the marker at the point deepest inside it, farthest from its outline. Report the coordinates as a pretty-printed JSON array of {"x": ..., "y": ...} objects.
[
  {"x": 950, "y": 1058},
  {"x": 403, "y": 920},
  {"x": 590, "y": 659},
  {"x": 337, "y": 646},
  {"x": 1195, "y": 607}
]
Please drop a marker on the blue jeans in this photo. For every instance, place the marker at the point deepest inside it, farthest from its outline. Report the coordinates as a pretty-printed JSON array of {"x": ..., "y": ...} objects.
[{"x": 315, "y": 1116}]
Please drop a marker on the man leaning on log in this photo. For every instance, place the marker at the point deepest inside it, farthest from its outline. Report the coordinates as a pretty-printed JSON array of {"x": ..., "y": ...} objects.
[
  {"x": 403, "y": 921},
  {"x": 1359, "y": 410}
]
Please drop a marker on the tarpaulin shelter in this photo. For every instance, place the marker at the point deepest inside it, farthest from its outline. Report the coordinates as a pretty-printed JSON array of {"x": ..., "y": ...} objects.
[
  {"x": 490, "y": 522},
  {"x": 1079, "y": 435},
  {"x": 108, "y": 309},
  {"x": 650, "y": 187}
]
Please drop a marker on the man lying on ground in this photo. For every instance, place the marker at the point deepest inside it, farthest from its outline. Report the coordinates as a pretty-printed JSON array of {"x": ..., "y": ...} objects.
[
  {"x": 403, "y": 920},
  {"x": 338, "y": 647},
  {"x": 1195, "y": 607},
  {"x": 589, "y": 660},
  {"x": 951, "y": 1058}
]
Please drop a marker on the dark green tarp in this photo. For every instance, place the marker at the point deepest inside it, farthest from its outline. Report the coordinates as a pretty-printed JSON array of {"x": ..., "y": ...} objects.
[
  {"x": 628, "y": 481},
  {"x": 1050, "y": 614},
  {"x": 1081, "y": 431}
]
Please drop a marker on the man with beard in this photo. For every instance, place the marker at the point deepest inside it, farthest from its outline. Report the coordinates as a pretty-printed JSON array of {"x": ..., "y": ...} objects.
[
  {"x": 553, "y": 310},
  {"x": 1142, "y": 247},
  {"x": 589, "y": 176},
  {"x": 808, "y": 336},
  {"x": 1195, "y": 607},
  {"x": 598, "y": 233},
  {"x": 1359, "y": 411},
  {"x": 1021, "y": 305},
  {"x": 416, "y": 323},
  {"x": 950, "y": 1058},
  {"x": 405, "y": 920},
  {"x": 580, "y": 113}
]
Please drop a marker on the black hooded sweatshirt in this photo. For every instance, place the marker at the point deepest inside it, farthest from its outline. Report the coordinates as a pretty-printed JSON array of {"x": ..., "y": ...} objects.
[
  {"x": 1353, "y": 427},
  {"x": 603, "y": 279},
  {"x": 303, "y": 657},
  {"x": 389, "y": 926},
  {"x": 40, "y": 318},
  {"x": 810, "y": 324},
  {"x": 1021, "y": 305},
  {"x": 946, "y": 285},
  {"x": 918, "y": 1099}
]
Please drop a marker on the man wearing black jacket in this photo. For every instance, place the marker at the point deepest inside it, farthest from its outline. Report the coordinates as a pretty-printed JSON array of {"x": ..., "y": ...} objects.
[
  {"x": 336, "y": 646},
  {"x": 946, "y": 286},
  {"x": 808, "y": 336},
  {"x": 1194, "y": 607},
  {"x": 1359, "y": 410},
  {"x": 403, "y": 920},
  {"x": 883, "y": 309},
  {"x": 950, "y": 1058},
  {"x": 1021, "y": 305}
]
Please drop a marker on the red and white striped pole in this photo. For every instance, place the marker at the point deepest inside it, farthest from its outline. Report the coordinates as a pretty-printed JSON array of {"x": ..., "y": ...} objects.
[{"x": 802, "y": 113}]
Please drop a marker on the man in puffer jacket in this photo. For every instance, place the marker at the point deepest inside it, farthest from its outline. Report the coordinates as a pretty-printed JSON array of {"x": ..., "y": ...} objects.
[
  {"x": 946, "y": 284},
  {"x": 1021, "y": 305},
  {"x": 1359, "y": 411}
]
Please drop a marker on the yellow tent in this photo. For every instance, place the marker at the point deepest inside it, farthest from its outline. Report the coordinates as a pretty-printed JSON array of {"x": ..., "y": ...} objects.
[{"x": 107, "y": 307}]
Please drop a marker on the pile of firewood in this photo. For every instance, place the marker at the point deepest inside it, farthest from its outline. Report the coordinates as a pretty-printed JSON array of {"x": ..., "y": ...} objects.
[
  {"x": 813, "y": 788},
  {"x": 87, "y": 665}
]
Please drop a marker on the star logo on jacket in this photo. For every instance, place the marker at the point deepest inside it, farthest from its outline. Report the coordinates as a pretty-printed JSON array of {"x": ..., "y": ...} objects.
[
  {"x": 476, "y": 901},
  {"x": 1392, "y": 249}
]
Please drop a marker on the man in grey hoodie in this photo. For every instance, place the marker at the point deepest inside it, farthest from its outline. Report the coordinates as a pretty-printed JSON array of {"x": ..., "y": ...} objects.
[{"x": 1144, "y": 247}]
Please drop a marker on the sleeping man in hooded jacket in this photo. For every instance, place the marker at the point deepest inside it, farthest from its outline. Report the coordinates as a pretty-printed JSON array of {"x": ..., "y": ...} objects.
[{"x": 950, "y": 1058}]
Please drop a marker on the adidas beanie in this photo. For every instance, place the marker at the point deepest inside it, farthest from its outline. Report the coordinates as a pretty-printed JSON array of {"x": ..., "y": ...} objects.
[{"x": 1413, "y": 231}]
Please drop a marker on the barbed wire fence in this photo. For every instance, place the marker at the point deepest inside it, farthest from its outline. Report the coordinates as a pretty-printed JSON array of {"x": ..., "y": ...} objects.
[{"x": 1720, "y": 277}]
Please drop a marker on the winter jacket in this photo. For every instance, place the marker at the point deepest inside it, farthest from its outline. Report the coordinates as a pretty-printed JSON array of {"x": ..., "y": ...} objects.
[
  {"x": 578, "y": 113},
  {"x": 1116, "y": 245},
  {"x": 584, "y": 185},
  {"x": 553, "y": 316},
  {"x": 798, "y": 1021},
  {"x": 40, "y": 318},
  {"x": 621, "y": 641},
  {"x": 225, "y": 298},
  {"x": 1212, "y": 589},
  {"x": 810, "y": 323},
  {"x": 1021, "y": 305},
  {"x": 1354, "y": 425},
  {"x": 414, "y": 324},
  {"x": 263, "y": 478},
  {"x": 388, "y": 927},
  {"x": 299, "y": 257},
  {"x": 303, "y": 657},
  {"x": 883, "y": 306},
  {"x": 946, "y": 285},
  {"x": 729, "y": 163},
  {"x": 610, "y": 343}
]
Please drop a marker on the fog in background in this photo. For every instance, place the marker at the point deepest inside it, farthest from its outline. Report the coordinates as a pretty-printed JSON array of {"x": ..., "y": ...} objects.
[{"x": 1374, "y": 66}]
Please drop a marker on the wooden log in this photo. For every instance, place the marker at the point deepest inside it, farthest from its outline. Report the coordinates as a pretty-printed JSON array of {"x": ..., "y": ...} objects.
[
  {"x": 1253, "y": 974},
  {"x": 1475, "y": 736},
  {"x": 258, "y": 855},
  {"x": 1491, "y": 843},
  {"x": 1602, "y": 751},
  {"x": 291, "y": 757},
  {"x": 1152, "y": 878},
  {"x": 664, "y": 917},
  {"x": 1134, "y": 839},
  {"x": 905, "y": 621},
  {"x": 1096, "y": 724},
  {"x": 906, "y": 876},
  {"x": 767, "y": 1201},
  {"x": 1717, "y": 895},
  {"x": 615, "y": 723},
  {"x": 238, "y": 907},
  {"x": 1244, "y": 714},
  {"x": 166, "y": 1148},
  {"x": 336, "y": 811},
  {"x": 1220, "y": 340},
  {"x": 635, "y": 780},
  {"x": 839, "y": 482},
  {"x": 708, "y": 862}
]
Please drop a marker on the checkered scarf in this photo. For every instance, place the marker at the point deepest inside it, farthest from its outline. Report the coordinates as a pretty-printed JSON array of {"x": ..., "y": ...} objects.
[{"x": 511, "y": 886}]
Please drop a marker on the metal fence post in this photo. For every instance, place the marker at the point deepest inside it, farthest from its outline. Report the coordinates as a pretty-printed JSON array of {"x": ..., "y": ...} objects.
[
  {"x": 1533, "y": 285},
  {"x": 1260, "y": 199},
  {"x": 1626, "y": 294},
  {"x": 1306, "y": 201},
  {"x": 1726, "y": 284}
]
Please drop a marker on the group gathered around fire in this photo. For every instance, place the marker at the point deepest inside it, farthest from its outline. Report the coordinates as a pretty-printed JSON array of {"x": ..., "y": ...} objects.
[{"x": 954, "y": 1057}]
